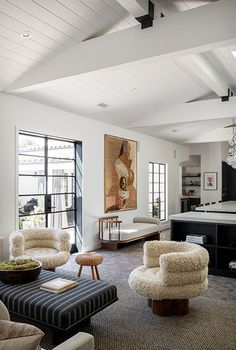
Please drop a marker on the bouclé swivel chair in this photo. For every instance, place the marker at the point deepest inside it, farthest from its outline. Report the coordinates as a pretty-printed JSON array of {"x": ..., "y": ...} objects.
[{"x": 173, "y": 272}]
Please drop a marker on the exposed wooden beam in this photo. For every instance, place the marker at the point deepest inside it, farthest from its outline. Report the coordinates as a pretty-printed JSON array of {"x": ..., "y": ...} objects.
[{"x": 181, "y": 34}]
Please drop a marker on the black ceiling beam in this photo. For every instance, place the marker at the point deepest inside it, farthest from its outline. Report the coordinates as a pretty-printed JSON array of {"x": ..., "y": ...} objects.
[
  {"x": 147, "y": 20},
  {"x": 227, "y": 97}
]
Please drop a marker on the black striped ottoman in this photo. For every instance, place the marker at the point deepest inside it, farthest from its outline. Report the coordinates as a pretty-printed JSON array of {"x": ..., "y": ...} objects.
[{"x": 63, "y": 312}]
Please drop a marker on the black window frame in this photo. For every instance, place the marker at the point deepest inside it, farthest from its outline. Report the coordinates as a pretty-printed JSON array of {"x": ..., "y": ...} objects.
[
  {"x": 157, "y": 206},
  {"x": 47, "y": 195}
]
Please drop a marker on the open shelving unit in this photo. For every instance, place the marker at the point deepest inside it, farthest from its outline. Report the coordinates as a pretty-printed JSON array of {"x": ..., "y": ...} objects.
[{"x": 221, "y": 243}]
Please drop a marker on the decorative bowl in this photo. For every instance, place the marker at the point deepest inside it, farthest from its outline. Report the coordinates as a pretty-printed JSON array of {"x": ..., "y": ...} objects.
[{"x": 19, "y": 271}]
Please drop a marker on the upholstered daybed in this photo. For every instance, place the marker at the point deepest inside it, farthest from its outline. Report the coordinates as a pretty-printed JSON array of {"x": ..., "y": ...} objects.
[{"x": 113, "y": 233}]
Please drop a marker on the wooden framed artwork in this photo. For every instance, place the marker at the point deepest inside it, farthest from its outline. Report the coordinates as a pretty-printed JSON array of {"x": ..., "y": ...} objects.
[
  {"x": 120, "y": 168},
  {"x": 210, "y": 181}
]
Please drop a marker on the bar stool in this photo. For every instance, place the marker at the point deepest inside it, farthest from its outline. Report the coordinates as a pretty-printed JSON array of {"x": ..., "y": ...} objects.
[
  {"x": 213, "y": 202},
  {"x": 207, "y": 203},
  {"x": 89, "y": 259}
]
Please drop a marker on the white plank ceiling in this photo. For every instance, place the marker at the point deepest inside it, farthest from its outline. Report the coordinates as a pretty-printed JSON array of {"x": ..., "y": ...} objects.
[{"x": 131, "y": 92}]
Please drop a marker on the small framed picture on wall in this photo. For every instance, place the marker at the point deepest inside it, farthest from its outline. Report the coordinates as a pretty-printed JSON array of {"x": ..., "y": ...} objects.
[{"x": 210, "y": 181}]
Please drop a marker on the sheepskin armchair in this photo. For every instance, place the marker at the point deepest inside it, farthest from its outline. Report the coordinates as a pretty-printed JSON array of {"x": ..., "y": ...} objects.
[
  {"x": 171, "y": 271},
  {"x": 51, "y": 246}
]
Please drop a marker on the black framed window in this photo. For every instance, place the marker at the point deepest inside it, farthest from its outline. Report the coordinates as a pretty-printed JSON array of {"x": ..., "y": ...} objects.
[
  {"x": 48, "y": 183},
  {"x": 158, "y": 190}
]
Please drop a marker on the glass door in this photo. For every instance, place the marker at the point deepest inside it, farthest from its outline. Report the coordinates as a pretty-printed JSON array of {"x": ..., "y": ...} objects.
[{"x": 47, "y": 182}]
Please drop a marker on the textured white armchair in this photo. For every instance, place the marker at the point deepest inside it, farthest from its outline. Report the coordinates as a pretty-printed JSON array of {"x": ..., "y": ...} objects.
[
  {"x": 51, "y": 246},
  {"x": 21, "y": 336},
  {"x": 172, "y": 273}
]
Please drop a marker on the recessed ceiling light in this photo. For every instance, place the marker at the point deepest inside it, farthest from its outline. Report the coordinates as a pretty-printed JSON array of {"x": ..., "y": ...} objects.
[
  {"x": 234, "y": 53},
  {"x": 25, "y": 35},
  {"x": 134, "y": 89},
  {"x": 102, "y": 105},
  {"x": 174, "y": 130}
]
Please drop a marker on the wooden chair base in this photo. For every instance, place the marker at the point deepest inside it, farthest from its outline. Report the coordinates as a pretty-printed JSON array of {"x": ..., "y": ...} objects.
[{"x": 169, "y": 307}]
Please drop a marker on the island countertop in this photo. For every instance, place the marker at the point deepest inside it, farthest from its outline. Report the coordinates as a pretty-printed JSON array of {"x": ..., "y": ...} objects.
[{"x": 205, "y": 217}]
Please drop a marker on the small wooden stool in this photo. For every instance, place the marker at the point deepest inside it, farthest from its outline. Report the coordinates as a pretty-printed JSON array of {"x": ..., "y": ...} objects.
[{"x": 89, "y": 259}]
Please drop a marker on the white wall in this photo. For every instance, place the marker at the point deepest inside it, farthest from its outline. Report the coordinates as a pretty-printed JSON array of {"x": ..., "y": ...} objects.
[
  {"x": 212, "y": 154},
  {"x": 17, "y": 113}
]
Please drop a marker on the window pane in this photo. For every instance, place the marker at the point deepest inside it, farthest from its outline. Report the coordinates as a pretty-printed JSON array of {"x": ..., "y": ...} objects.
[
  {"x": 150, "y": 187},
  {"x": 162, "y": 168},
  {"x": 60, "y": 184},
  {"x": 30, "y": 165},
  {"x": 150, "y": 197},
  {"x": 156, "y": 177},
  {"x": 61, "y": 149},
  {"x": 32, "y": 221},
  {"x": 157, "y": 191},
  {"x": 61, "y": 167},
  {"x": 31, "y": 145},
  {"x": 162, "y": 187},
  {"x": 162, "y": 215},
  {"x": 62, "y": 202},
  {"x": 150, "y": 167},
  {"x": 72, "y": 234},
  {"x": 162, "y": 178},
  {"x": 162, "y": 196},
  {"x": 162, "y": 205},
  {"x": 150, "y": 177},
  {"x": 31, "y": 185},
  {"x": 156, "y": 187},
  {"x": 31, "y": 205},
  {"x": 61, "y": 220},
  {"x": 156, "y": 168}
]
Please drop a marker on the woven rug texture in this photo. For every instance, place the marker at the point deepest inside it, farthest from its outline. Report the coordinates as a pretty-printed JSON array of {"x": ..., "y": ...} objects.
[{"x": 130, "y": 324}]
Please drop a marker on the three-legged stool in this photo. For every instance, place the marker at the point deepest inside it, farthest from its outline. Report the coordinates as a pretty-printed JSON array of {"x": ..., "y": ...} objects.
[{"x": 89, "y": 259}]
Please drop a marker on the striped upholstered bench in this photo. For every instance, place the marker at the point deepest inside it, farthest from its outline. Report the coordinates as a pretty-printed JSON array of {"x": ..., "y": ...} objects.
[{"x": 63, "y": 312}]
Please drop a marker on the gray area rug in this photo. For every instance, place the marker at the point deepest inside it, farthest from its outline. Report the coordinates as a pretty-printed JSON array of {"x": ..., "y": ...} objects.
[{"x": 129, "y": 323}]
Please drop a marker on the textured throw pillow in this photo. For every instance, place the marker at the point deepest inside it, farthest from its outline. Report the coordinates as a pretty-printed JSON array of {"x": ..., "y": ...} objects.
[{"x": 20, "y": 336}]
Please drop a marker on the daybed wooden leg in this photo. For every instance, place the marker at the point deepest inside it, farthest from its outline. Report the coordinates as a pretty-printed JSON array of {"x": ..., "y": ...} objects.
[
  {"x": 110, "y": 245},
  {"x": 149, "y": 302}
]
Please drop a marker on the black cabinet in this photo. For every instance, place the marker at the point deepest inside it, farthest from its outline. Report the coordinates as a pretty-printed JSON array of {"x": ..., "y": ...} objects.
[
  {"x": 228, "y": 183},
  {"x": 221, "y": 243},
  {"x": 189, "y": 204}
]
